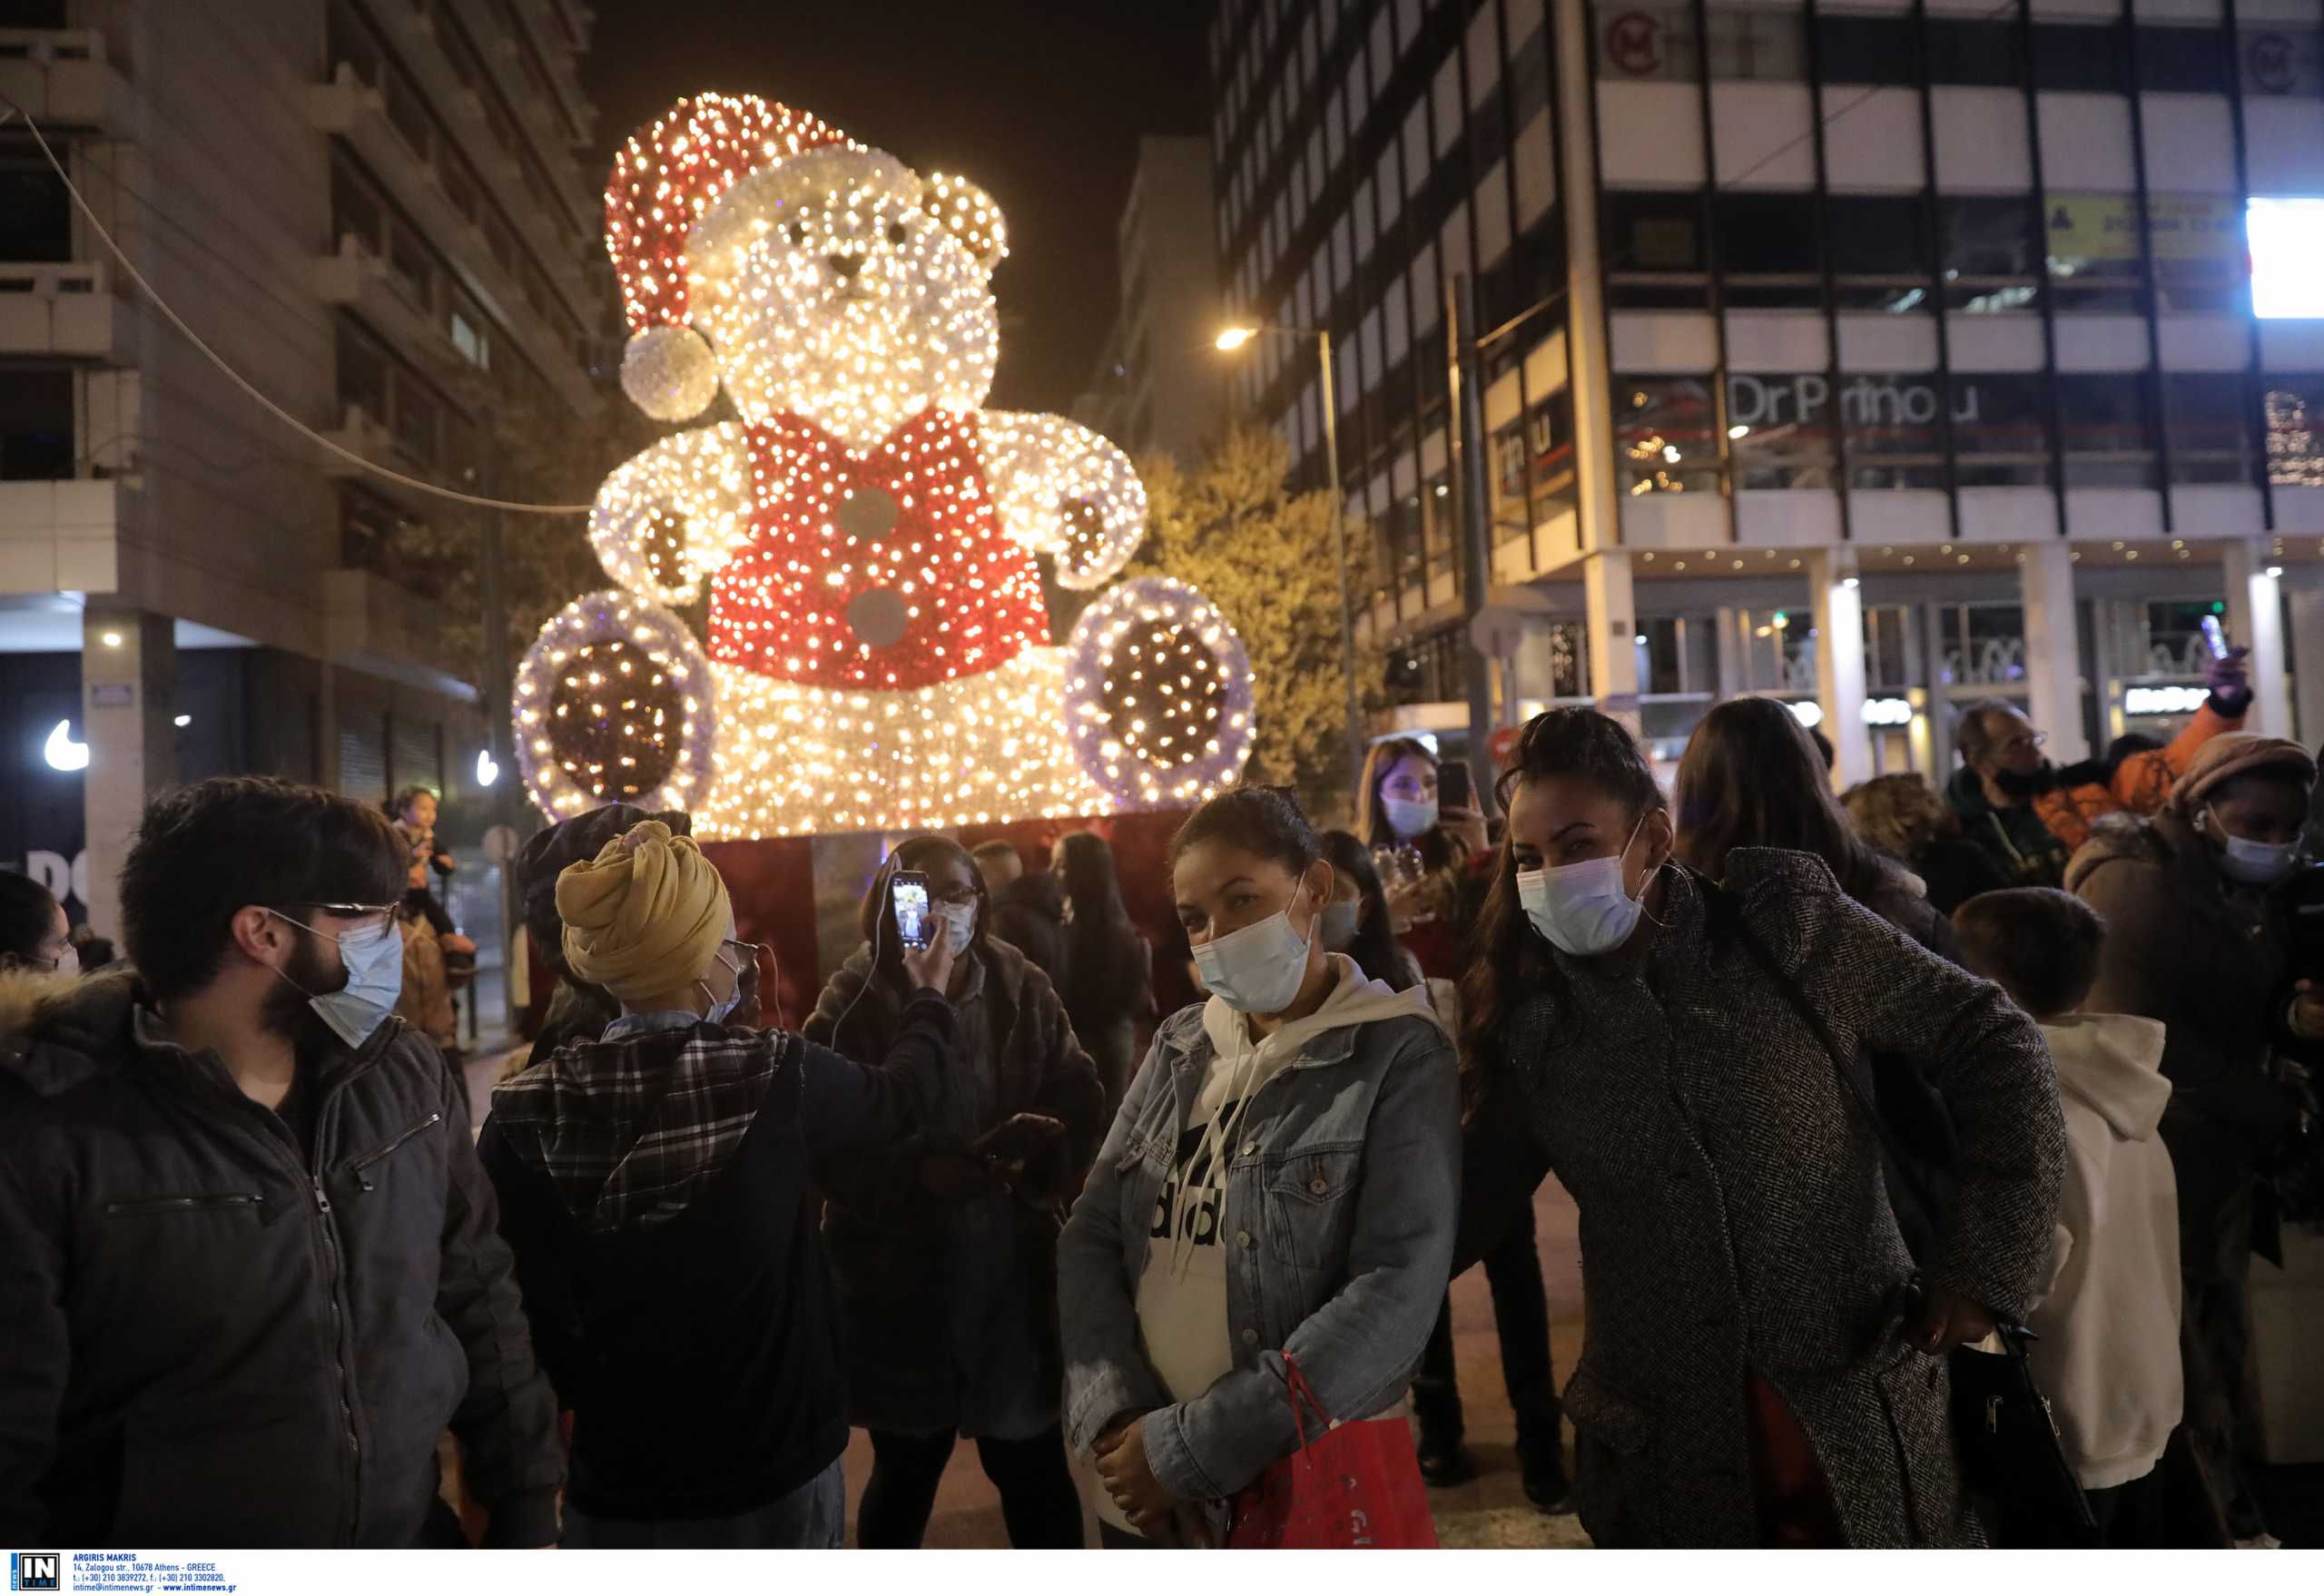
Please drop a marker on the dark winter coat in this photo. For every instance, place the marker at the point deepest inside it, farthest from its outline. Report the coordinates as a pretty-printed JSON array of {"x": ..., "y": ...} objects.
[
  {"x": 1029, "y": 914},
  {"x": 2018, "y": 841},
  {"x": 217, "y": 1338},
  {"x": 1733, "y": 1215},
  {"x": 894, "y": 1245},
  {"x": 655, "y": 1188}
]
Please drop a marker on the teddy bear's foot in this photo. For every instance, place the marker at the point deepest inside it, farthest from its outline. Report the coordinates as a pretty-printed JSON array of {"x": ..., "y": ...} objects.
[
  {"x": 615, "y": 705},
  {"x": 1158, "y": 695}
]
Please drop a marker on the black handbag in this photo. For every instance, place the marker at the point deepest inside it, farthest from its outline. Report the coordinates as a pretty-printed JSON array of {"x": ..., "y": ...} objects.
[{"x": 2012, "y": 1461}]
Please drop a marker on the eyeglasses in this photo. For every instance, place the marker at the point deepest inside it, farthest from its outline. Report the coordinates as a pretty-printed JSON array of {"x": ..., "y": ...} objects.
[
  {"x": 955, "y": 895},
  {"x": 2025, "y": 740},
  {"x": 370, "y": 914}
]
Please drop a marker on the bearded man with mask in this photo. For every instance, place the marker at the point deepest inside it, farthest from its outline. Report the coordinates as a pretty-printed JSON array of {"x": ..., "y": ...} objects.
[
  {"x": 2196, "y": 936},
  {"x": 254, "y": 1264},
  {"x": 2029, "y": 815}
]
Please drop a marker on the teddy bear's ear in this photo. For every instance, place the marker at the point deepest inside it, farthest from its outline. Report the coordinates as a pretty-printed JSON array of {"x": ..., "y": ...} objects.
[{"x": 969, "y": 213}]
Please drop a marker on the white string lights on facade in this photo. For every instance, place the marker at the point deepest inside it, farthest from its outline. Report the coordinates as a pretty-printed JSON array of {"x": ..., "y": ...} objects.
[
  {"x": 867, "y": 535},
  {"x": 613, "y": 704},
  {"x": 1158, "y": 694}
]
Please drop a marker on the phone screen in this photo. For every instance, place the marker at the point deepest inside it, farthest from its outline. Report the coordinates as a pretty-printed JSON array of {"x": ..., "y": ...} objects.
[
  {"x": 1455, "y": 788},
  {"x": 909, "y": 893},
  {"x": 2215, "y": 636}
]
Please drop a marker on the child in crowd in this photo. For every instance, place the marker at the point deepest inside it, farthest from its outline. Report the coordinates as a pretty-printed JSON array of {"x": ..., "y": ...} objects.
[{"x": 2107, "y": 1353}]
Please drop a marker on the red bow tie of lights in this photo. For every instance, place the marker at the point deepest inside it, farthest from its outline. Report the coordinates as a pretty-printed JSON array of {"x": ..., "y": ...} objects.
[{"x": 887, "y": 571}]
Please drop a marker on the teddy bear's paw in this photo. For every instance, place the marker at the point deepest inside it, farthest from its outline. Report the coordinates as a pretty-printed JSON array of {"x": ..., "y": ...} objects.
[
  {"x": 615, "y": 703},
  {"x": 673, "y": 513},
  {"x": 1066, "y": 491},
  {"x": 1157, "y": 694}
]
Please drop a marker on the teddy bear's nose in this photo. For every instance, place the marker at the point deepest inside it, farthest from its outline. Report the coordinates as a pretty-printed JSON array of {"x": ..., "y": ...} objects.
[{"x": 846, "y": 265}]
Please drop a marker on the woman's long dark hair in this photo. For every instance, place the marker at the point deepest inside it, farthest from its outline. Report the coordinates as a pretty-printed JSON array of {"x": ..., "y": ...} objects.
[
  {"x": 1751, "y": 779},
  {"x": 1371, "y": 816},
  {"x": 1105, "y": 957},
  {"x": 1508, "y": 961},
  {"x": 1375, "y": 949},
  {"x": 26, "y": 913}
]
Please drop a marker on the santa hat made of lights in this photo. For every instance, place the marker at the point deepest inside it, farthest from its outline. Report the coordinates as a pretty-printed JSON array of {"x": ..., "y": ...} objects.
[{"x": 665, "y": 180}]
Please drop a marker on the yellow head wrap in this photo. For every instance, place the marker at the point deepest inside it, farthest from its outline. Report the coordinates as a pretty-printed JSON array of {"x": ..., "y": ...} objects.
[{"x": 646, "y": 916}]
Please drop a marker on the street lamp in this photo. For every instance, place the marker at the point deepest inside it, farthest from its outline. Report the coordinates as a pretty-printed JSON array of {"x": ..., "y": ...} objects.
[{"x": 1232, "y": 339}]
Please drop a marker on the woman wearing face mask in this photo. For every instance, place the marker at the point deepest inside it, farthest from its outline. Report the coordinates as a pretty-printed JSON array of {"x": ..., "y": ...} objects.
[
  {"x": 1762, "y": 1366},
  {"x": 1278, "y": 1187},
  {"x": 2196, "y": 937},
  {"x": 945, "y": 1244},
  {"x": 653, "y": 1184},
  {"x": 1398, "y": 808}
]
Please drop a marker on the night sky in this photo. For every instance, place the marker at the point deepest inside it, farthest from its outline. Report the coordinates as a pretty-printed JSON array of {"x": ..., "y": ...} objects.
[{"x": 1042, "y": 105}]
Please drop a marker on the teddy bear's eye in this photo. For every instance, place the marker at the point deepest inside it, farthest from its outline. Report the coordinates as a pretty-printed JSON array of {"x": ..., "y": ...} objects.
[{"x": 896, "y": 233}]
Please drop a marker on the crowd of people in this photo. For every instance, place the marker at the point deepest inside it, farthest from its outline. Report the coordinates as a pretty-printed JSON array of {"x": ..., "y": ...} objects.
[{"x": 1844, "y": 1090}]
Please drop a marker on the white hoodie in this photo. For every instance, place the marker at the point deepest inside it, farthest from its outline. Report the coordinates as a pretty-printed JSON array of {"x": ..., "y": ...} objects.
[{"x": 2108, "y": 1353}]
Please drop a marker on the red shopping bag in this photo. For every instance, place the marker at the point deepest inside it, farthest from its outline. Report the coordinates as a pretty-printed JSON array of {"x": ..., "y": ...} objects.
[{"x": 1353, "y": 1484}]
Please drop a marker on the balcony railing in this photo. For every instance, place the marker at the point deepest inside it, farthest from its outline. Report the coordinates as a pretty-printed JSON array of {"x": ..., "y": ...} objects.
[
  {"x": 64, "y": 307},
  {"x": 61, "y": 76}
]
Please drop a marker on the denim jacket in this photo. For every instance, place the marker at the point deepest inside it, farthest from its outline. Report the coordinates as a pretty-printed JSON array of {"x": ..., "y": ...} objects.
[{"x": 1343, "y": 1186}]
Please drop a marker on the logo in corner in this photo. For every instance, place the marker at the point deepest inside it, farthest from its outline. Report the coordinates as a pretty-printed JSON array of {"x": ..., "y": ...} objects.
[{"x": 36, "y": 1571}]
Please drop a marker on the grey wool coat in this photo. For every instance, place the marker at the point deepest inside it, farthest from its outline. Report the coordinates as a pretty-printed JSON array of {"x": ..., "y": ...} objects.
[{"x": 1733, "y": 1216}]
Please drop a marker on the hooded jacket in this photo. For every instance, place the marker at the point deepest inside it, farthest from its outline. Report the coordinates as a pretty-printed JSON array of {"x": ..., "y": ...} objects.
[
  {"x": 654, "y": 1185},
  {"x": 221, "y": 1338},
  {"x": 2020, "y": 844},
  {"x": 2107, "y": 1353},
  {"x": 1342, "y": 1189},
  {"x": 1029, "y": 914}
]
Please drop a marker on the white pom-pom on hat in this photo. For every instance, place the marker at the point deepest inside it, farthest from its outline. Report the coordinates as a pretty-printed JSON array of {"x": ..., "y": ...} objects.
[{"x": 669, "y": 373}]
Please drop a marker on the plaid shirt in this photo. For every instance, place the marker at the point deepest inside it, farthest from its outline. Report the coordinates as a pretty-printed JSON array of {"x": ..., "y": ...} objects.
[{"x": 633, "y": 1127}]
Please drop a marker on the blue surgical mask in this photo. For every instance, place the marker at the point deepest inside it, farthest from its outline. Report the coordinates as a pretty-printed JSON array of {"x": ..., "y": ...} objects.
[
  {"x": 1256, "y": 970},
  {"x": 374, "y": 961},
  {"x": 2255, "y": 864},
  {"x": 1341, "y": 923},
  {"x": 1581, "y": 908},
  {"x": 1409, "y": 817},
  {"x": 961, "y": 916},
  {"x": 720, "y": 1010}
]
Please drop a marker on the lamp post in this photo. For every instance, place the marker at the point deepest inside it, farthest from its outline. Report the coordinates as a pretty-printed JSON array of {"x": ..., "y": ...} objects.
[{"x": 1234, "y": 338}]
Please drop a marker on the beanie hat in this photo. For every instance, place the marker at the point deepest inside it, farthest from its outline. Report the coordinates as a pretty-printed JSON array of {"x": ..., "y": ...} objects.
[
  {"x": 2237, "y": 754},
  {"x": 646, "y": 916}
]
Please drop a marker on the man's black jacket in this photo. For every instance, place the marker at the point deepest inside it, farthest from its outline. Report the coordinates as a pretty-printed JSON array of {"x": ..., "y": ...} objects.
[{"x": 213, "y": 1341}]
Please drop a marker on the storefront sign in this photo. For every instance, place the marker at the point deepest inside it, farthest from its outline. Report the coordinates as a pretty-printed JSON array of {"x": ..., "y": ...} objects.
[
  {"x": 2164, "y": 700},
  {"x": 1864, "y": 400},
  {"x": 2182, "y": 227},
  {"x": 1887, "y": 712}
]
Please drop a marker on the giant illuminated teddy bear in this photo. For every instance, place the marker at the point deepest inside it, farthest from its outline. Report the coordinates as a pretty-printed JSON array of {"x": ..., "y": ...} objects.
[{"x": 879, "y": 653}]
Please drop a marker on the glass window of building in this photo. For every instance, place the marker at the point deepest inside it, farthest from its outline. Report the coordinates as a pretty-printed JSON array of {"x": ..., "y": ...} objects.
[
  {"x": 1665, "y": 436},
  {"x": 2202, "y": 256},
  {"x": 2093, "y": 246},
  {"x": 2185, "y": 60},
  {"x": 2295, "y": 411},
  {"x": 1781, "y": 429},
  {"x": 2207, "y": 417},
  {"x": 1767, "y": 249},
  {"x": 2001, "y": 428},
  {"x": 1751, "y": 42},
  {"x": 1991, "y": 262},
  {"x": 1977, "y": 51},
  {"x": 2093, "y": 56},
  {"x": 1654, "y": 250},
  {"x": 1895, "y": 429},
  {"x": 1867, "y": 48},
  {"x": 2102, "y": 418},
  {"x": 1880, "y": 251}
]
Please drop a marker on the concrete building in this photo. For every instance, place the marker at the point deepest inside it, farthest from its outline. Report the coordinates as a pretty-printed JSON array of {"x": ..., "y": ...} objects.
[
  {"x": 375, "y": 210},
  {"x": 1155, "y": 388},
  {"x": 1877, "y": 355}
]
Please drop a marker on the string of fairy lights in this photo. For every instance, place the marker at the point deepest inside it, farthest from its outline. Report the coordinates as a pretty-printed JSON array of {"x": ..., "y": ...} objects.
[{"x": 865, "y": 534}]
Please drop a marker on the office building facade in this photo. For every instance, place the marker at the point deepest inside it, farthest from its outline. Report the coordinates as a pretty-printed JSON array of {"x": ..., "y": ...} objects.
[
  {"x": 376, "y": 209},
  {"x": 1877, "y": 355}
]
